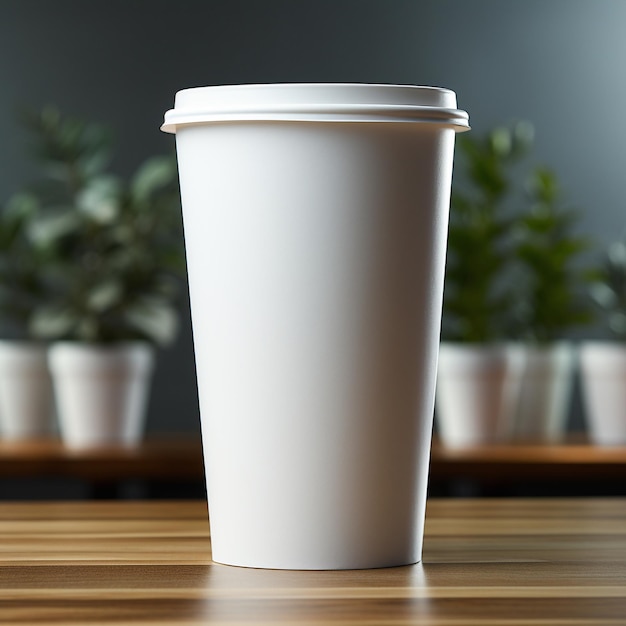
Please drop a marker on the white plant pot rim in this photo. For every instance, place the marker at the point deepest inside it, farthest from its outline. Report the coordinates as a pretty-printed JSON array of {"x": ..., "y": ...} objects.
[
  {"x": 99, "y": 346},
  {"x": 602, "y": 357},
  {"x": 608, "y": 344},
  {"x": 137, "y": 356},
  {"x": 24, "y": 356}
]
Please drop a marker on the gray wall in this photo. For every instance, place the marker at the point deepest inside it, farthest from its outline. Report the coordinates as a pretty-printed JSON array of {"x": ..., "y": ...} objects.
[{"x": 558, "y": 63}]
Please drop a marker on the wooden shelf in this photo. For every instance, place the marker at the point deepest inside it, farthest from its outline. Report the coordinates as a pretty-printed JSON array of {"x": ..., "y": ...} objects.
[
  {"x": 171, "y": 458},
  {"x": 571, "y": 467},
  {"x": 571, "y": 460},
  {"x": 510, "y": 468}
]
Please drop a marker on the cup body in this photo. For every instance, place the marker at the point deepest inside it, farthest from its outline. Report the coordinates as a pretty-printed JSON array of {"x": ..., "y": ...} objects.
[{"x": 316, "y": 254}]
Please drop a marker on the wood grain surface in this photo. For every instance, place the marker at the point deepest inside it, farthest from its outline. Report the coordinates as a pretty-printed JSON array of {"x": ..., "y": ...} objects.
[{"x": 505, "y": 562}]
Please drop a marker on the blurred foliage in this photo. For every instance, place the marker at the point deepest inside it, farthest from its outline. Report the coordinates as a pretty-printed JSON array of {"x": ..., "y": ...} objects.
[
  {"x": 100, "y": 255},
  {"x": 477, "y": 298},
  {"x": 513, "y": 269},
  {"x": 22, "y": 286},
  {"x": 553, "y": 280},
  {"x": 608, "y": 289}
]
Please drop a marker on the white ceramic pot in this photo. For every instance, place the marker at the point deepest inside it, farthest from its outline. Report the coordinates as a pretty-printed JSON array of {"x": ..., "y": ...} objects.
[
  {"x": 101, "y": 392},
  {"x": 477, "y": 392},
  {"x": 26, "y": 407},
  {"x": 546, "y": 392},
  {"x": 603, "y": 371}
]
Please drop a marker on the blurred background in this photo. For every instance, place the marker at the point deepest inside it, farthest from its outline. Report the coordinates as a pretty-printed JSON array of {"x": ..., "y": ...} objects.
[{"x": 558, "y": 65}]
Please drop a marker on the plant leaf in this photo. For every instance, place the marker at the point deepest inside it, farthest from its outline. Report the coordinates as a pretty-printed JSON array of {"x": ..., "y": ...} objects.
[
  {"x": 44, "y": 230},
  {"x": 105, "y": 296},
  {"x": 100, "y": 200},
  {"x": 52, "y": 323},
  {"x": 155, "y": 318},
  {"x": 155, "y": 174}
]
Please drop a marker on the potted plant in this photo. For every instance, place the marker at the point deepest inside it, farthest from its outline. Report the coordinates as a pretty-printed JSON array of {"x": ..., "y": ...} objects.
[
  {"x": 479, "y": 371},
  {"x": 603, "y": 363},
  {"x": 114, "y": 255},
  {"x": 551, "y": 305},
  {"x": 26, "y": 407}
]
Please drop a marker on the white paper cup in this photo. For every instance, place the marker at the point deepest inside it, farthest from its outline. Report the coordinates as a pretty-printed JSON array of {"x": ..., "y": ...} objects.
[{"x": 315, "y": 225}]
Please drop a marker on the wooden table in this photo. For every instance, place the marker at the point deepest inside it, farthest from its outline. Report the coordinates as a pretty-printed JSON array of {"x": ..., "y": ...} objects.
[{"x": 486, "y": 562}]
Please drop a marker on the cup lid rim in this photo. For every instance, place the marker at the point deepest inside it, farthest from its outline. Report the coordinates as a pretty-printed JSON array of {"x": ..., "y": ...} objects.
[{"x": 315, "y": 102}]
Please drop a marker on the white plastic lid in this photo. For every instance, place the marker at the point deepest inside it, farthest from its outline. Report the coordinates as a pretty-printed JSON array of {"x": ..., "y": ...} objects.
[{"x": 311, "y": 102}]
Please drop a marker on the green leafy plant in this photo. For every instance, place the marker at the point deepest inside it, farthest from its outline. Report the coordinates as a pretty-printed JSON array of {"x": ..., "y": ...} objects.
[
  {"x": 477, "y": 300},
  {"x": 553, "y": 301},
  {"x": 113, "y": 248},
  {"x": 608, "y": 289},
  {"x": 22, "y": 287}
]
